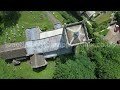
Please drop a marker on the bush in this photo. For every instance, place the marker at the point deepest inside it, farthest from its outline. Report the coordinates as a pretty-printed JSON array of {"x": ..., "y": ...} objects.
[
  {"x": 77, "y": 68},
  {"x": 68, "y": 17},
  {"x": 94, "y": 25},
  {"x": 90, "y": 30},
  {"x": 97, "y": 61},
  {"x": 107, "y": 61},
  {"x": 117, "y": 16}
]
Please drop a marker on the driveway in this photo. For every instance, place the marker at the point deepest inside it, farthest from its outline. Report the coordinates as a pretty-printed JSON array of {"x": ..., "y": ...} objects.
[
  {"x": 112, "y": 36},
  {"x": 51, "y": 17}
]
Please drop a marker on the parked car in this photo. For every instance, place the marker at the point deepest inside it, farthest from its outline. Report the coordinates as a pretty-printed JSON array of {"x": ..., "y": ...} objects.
[
  {"x": 116, "y": 28},
  {"x": 118, "y": 42}
]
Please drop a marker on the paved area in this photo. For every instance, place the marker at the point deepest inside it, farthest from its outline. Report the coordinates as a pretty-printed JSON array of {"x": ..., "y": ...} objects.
[
  {"x": 51, "y": 17},
  {"x": 112, "y": 36}
]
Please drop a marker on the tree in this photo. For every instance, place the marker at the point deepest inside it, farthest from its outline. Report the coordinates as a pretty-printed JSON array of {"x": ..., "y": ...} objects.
[
  {"x": 9, "y": 18},
  {"x": 68, "y": 17},
  {"x": 79, "y": 67},
  {"x": 117, "y": 16},
  {"x": 106, "y": 58},
  {"x": 90, "y": 29},
  {"x": 94, "y": 25}
]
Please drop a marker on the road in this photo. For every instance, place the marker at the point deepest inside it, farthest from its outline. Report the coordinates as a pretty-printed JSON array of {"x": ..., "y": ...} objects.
[{"x": 51, "y": 17}]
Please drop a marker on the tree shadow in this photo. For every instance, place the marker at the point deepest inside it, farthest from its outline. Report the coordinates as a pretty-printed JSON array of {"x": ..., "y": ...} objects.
[
  {"x": 63, "y": 58},
  {"x": 50, "y": 59},
  {"x": 39, "y": 69},
  {"x": 73, "y": 13},
  {"x": 1, "y": 31},
  {"x": 10, "y": 18},
  {"x": 8, "y": 61}
]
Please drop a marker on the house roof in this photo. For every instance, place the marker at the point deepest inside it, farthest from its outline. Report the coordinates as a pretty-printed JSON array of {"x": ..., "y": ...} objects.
[
  {"x": 57, "y": 25},
  {"x": 76, "y": 34},
  {"x": 12, "y": 50},
  {"x": 12, "y": 46},
  {"x": 57, "y": 52},
  {"x": 37, "y": 61},
  {"x": 46, "y": 44},
  {"x": 52, "y": 33},
  {"x": 32, "y": 33}
]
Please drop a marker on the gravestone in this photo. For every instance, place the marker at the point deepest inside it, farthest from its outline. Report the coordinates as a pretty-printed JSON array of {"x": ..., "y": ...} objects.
[
  {"x": 41, "y": 17},
  {"x": 6, "y": 34},
  {"x": 22, "y": 27},
  {"x": 14, "y": 39},
  {"x": 14, "y": 36},
  {"x": 14, "y": 30},
  {"x": 9, "y": 38},
  {"x": 20, "y": 35},
  {"x": 31, "y": 11},
  {"x": 17, "y": 25},
  {"x": 11, "y": 31},
  {"x": 18, "y": 30},
  {"x": 15, "y": 62}
]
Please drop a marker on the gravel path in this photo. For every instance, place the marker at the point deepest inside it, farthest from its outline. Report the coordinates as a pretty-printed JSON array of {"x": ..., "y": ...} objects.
[
  {"x": 112, "y": 36},
  {"x": 51, "y": 17}
]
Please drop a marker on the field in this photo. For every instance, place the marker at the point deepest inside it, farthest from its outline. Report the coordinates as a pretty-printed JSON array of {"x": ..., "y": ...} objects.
[
  {"x": 24, "y": 71},
  {"x": 103, "y": 17},
  {"x": 58, "y": 16},
  {"x": 26, "y": 20}
]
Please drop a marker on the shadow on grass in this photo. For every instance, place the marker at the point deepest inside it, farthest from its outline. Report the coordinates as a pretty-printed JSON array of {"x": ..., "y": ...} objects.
[
  {"x": 9, "y": 61},
  {"x": 10, "y": 18},
  {"x": 39, "y": 69},
  {"x": 1, "y": 31},
  {"x": 50, "y": 59},
  {"x": 73, "y": 13}
]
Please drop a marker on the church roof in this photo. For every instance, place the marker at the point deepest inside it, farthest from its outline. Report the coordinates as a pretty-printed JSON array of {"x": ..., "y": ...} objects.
[{"x": 76, "y": 34}]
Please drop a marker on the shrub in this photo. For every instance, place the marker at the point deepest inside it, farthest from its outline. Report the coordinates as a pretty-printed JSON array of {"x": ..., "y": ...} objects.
[
  {"x": 78, "y": 68},
  {"x": 107, "y": 61},
  {"x": 94, "y": 25}
]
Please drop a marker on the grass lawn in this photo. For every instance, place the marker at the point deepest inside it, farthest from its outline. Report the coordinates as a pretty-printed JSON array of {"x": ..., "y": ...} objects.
[
  {"x": 103, "y": 17},
  {"x": 58, "y": 16},
  {"x": 104, "y": 32},
  {"x": 27, "y": 19},
  {"x": 24, "y": 71},
  {"x": 101, "y": 33},
  {"x": 96, "y": 12}
]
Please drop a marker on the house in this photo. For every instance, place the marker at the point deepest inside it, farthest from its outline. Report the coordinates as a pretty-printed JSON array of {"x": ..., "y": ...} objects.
[{"x": 41, "y": 45}]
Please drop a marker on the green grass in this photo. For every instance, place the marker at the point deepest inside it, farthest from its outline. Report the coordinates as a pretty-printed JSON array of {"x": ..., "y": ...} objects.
[
  {"x": 104, "y": 32},
  {"x": 96, "y": 12},
  {"x": 58, "y": 16},
  {"x": 103, "y": 17},
  {"x": 24, "y": 71},
  {"x": 27, "y": 20}
]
